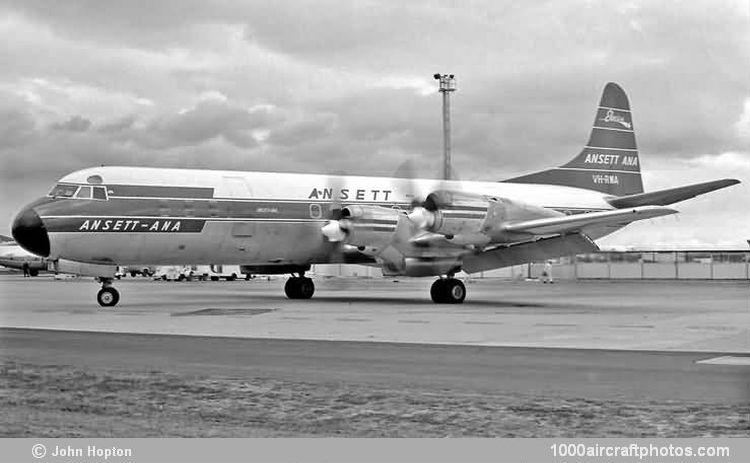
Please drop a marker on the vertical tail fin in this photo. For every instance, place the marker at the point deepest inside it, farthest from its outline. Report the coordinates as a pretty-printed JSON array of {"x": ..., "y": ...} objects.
[{"x": 609, "y": 162}]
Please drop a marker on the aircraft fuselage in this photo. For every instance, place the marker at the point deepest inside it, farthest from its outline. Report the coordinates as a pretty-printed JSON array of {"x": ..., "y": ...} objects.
[{"x": 179, "y": 216}]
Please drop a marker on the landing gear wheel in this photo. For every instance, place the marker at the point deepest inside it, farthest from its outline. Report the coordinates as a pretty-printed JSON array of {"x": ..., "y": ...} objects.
[
  {"x": 291, "y": 288},
  {"x": 448, "y": 291},
  {"x": 455, "y": 291},
  {"x": 299, "y": 288},
  {"x": 108, "y": 297},
  {"x": 306, "y": 288},
  {"x": 437, "y": 290}
]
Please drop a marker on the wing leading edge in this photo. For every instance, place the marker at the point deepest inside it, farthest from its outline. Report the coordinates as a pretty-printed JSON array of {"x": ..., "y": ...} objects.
[{"x": 579, "y": 222}]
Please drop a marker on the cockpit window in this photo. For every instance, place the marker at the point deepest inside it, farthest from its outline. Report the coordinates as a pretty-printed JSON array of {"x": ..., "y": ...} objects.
[
  {"x": 61, "y": 190},
  {"x": 64, "y": 191},
  {"x": 100, "y": 193},
  {"x": 84, "y": 193}
]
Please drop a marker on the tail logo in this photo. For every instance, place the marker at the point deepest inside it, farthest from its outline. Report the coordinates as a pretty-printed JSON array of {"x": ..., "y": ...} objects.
[{"x": 612, "y": 117}]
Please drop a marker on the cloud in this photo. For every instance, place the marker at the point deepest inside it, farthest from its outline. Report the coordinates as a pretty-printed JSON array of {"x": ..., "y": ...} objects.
[
  {"x": 17, "y": 127},
  {"x": 322, "y": 86},
  {"x": 716, "y": 218},
  {"x": 207, "y": 120},
  {"x": 74, "y": 124}
]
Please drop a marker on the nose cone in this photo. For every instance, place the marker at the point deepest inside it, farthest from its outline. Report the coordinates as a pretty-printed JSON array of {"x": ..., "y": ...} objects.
[{"x": 29, "y": 232}]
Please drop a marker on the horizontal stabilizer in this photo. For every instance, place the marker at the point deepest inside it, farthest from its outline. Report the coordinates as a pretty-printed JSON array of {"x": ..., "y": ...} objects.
[
  {"x": 671, "y": 195},
  {"x": 534, "y": 251},
  {"x": 573, "y": 223}
]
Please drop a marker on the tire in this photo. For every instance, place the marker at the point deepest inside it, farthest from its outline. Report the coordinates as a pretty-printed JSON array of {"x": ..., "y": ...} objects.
[
  {"x": 454, "y": 291},
  {"x": 448, "y": 291},
  {"x": 437, "y": 291},
  {"x": 108, "y": 297},
  {"x": 306, "y": 288},
  {"x": 291, "y": 288},
  {"x": 214, "y": 278},
  {"x": 33, "y": 272}
]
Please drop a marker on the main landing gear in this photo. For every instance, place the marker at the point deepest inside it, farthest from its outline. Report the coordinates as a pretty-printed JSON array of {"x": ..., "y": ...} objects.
[
  {"x": 108, "y": 296},
  {"x": 448, "y": 291},
  {"x": 299, "y": 287}
]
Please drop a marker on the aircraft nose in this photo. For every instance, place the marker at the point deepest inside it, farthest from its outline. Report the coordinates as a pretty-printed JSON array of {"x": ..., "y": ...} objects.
[{"x": 29, "y": 232}]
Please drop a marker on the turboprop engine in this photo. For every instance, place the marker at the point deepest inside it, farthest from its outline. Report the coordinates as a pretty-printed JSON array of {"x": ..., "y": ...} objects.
[
  {"x": 366, "y": 227},
  {"x": 451, "y": 213},
  {"x": 468, "y": 218}
]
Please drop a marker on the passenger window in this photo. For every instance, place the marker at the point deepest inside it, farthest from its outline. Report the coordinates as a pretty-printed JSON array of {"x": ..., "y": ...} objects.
[
  {"x": 100, "y": 193},
  {"x": 315, "y": 211},
  {"x": 84, "y": 193}
]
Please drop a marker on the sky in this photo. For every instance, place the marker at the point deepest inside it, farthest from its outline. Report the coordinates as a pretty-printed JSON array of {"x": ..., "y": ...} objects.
[{"x": 346, "y": 86}]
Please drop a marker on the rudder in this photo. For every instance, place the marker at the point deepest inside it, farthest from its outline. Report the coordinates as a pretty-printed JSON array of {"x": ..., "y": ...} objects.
[{"x": 609, "y": 162}]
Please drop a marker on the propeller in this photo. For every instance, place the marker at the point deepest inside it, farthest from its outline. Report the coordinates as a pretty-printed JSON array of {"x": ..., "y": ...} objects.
[
  {"x": 334, "y": 231},
  {"x": 422, "y": 213},
  {"x": 336, "y": 228}
]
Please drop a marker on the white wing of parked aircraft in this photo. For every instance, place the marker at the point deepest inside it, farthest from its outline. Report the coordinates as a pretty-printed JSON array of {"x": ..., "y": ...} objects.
[
  {"x": 276, "y": 223},
  {"x": 14, "y": 256}
]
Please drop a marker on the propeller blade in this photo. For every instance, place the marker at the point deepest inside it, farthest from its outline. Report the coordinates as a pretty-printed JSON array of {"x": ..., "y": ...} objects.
[
  {"x": 335, "y": 185},
  {"x": 406, "y": 170}
]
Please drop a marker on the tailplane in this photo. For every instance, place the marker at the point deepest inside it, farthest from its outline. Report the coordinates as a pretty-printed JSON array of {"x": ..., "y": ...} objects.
[{"x": 609, "y": 162}]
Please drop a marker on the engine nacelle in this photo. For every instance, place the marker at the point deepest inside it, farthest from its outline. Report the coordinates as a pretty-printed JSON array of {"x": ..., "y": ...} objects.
[
  {"x": 369, "y": 226},
  {"x": 474, "y": 219},
  {"x": 430, "y": 267},
  {"x": 456, "y": 213},
  {"x": 503, "y": 211}
]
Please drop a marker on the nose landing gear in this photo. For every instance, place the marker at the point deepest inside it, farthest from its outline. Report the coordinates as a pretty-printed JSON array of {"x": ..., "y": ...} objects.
[
  {"x": 299, "y": 287},
  {"x": 448, "y": 291},
  {"x": 108, "y": 296}
]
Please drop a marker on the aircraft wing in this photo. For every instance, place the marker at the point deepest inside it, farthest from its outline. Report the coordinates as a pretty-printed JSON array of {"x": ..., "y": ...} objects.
[
  {"x": 578, "y": 222},
  {"x": 532, "y": 251},
  {"x": 671, "y": 195}
]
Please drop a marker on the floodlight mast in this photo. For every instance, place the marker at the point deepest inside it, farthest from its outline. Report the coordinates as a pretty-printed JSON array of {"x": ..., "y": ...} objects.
[{"x": 447, "y": 85}]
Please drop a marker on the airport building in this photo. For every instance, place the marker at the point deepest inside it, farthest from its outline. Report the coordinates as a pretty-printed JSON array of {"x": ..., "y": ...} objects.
[{"x": 705, "y": 263}]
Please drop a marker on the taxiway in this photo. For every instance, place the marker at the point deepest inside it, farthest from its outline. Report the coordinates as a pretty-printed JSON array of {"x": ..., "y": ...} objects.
[{"x": 675, "y": 347}]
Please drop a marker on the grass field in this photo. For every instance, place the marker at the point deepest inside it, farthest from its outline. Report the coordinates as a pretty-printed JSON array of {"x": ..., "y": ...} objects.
[{"x": 62, "y": 401}]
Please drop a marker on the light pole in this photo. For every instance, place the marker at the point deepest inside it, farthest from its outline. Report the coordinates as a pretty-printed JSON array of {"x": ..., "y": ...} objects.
[{"x": 447, "y": 85}]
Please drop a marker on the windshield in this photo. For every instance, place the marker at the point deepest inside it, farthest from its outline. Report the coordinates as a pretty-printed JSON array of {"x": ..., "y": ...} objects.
[
  {"x": 84, "y": 192},
  {"x": 65, "y": 191}
]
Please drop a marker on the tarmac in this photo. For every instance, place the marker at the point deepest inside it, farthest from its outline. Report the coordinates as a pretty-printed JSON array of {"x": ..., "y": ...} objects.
[
  {"x": 650, "y": 340},
  {"x": 593, "y": 374},
  {"x": 693, "y": 316}
]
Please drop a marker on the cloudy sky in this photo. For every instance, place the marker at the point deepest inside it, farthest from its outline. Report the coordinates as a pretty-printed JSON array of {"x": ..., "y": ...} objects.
[{"x": 324, "y": 86}]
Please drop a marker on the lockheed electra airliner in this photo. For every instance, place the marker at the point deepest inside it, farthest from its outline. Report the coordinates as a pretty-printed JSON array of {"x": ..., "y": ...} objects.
[{"x": 272, "y": 223}]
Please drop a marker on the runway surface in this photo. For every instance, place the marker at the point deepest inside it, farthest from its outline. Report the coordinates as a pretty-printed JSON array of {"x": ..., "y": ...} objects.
[
  {"x": 375, "y": 358},
  {"x": 591, "y": 374},
  {"x": 660, "y": 315}
]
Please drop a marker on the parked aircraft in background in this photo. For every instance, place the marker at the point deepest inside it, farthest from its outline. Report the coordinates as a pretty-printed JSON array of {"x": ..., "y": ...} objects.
[
  {"x": 14, "y": 256},
  {"x": 273, "y": 223}
]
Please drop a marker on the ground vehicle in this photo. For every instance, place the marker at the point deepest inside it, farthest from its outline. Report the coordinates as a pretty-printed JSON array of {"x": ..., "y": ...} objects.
[{"x": 218, "y": 272}]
